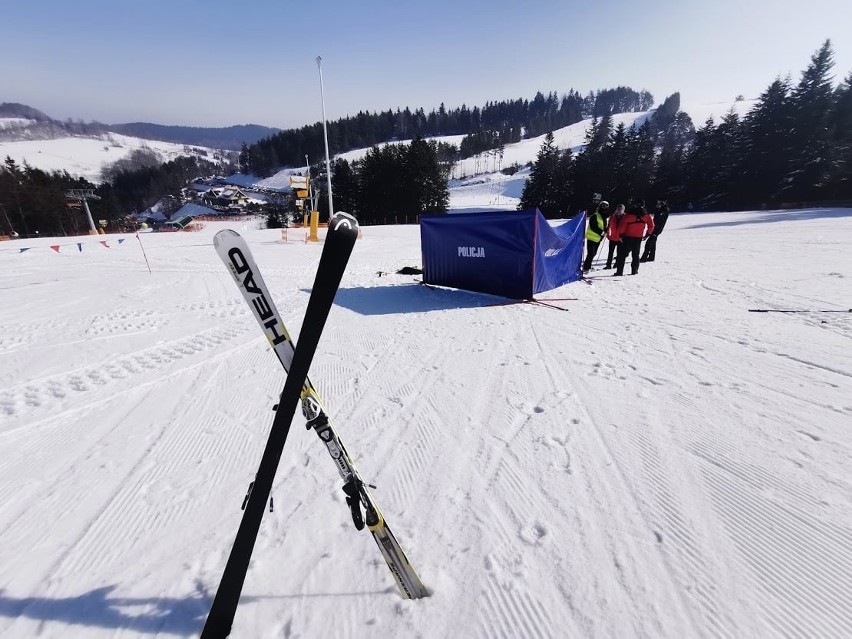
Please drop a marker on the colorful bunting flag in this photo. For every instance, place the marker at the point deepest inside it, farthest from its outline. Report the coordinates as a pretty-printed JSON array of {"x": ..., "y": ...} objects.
[{"x": 57, "y": 247}]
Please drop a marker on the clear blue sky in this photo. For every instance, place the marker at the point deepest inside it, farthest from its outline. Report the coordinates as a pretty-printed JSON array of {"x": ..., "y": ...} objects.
[{"x": 216, "y": 63}]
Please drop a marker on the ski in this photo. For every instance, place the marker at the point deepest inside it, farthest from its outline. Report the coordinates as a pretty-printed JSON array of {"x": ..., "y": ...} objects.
[
  {"x": 339, "y": 242},
  {"x": 803, "y": 310},
  {"x": 236, "y": 255}
]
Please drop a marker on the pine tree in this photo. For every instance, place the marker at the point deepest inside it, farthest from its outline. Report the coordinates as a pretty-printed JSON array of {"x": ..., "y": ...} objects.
[
  {"x": 698, "y": 166},
  {"x": 591, "y": 170},
  {"x": 425, "y": 185},
  {"x": 548, "y": 188},
  {"x": 620, "y": 187},
  {"x": 666, "y": 113},
  {"x": 563, "y": 185},
  {"x": 640, "y": 151},
  {"x": 840, "y": 178},
  {"x": 812, "y": 101},
  {"x": 344, "y": 183},
  {"x": 766, "y": 154},
  {"x": 669, "y": 172}
]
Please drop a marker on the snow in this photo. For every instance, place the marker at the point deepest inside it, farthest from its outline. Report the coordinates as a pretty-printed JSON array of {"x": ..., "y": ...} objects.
[
  {"x": 281, "y": 180},
  {"x": 15, "y": 123},
  {"x": 88, "y": 156},
  {"x": 241, "y": 179},
  {"x": 489, "y": 191},
  {"x": 655, "y": 462},
  {"x": 193, "y": 209}
]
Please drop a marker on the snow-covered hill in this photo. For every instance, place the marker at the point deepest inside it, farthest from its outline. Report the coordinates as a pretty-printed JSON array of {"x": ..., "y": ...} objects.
[
  {"x": 87, "y": 156},
  {"x": 10, "y": 124},
  {"x": 655, "y": 462},
  {"x": 569, "y": 137}
]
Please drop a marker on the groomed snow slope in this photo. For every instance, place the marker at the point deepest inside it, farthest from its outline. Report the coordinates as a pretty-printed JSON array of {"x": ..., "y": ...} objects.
[{"x": 654, "y": 462}]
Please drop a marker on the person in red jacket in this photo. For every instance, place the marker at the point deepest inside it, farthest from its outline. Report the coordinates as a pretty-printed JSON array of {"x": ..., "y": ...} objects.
[
  {"x": 633, "y": 228},
  {"x": 612, "y": 233}
]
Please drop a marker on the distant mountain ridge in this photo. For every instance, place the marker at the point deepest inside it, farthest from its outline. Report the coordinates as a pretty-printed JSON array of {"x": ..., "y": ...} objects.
[
  {"x": 17, "y": 110},
  {"x": 231, "y": 137},
  {"x": 45, "y": 127}
]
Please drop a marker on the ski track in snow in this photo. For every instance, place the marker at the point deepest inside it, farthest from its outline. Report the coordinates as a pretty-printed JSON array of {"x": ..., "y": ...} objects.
[{"x": 656, "y": 462}]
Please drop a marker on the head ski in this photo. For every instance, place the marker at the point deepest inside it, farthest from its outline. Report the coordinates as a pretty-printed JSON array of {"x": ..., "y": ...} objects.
[
  {"x": 342, "y": 233},
  {"x": 358, "y": 496}
]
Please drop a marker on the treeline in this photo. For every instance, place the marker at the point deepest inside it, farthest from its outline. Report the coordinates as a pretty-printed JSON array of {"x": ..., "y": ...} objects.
[
  {"x": 392, "y": 184},
  {"x": 33, "y": 202},
  {"x": 793, "y": 146},
  {"x": 497, "y": 122}
]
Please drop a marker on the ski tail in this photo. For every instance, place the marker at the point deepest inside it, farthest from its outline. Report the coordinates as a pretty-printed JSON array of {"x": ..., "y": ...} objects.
[
  {"x": 407, "y": 580},
  {"x": 357, "y": 496}
]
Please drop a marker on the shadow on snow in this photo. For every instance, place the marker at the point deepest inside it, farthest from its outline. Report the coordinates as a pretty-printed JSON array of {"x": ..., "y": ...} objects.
[
  {"x": 96, "y": 608},
  {"x": 410, "y": 298},
  {"x": 771, "y": 217},
  {"x": 148, "y": 615}
]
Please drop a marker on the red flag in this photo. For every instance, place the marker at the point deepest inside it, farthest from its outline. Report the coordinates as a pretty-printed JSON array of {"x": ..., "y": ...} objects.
[
  {"x": 55, "y": 248},
  {"x": 104, "y": 243}
]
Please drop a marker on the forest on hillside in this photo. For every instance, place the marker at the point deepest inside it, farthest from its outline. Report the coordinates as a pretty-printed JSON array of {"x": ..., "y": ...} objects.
[
  {"x": 794, "y": 147},
  {"x": 485, "y": 128}
]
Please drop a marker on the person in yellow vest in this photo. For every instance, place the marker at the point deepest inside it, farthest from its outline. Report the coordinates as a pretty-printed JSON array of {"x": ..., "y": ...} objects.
[{"x": 595, "y": 233}]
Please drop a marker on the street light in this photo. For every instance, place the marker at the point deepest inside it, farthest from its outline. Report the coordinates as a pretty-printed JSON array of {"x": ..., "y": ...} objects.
[{"x": 325, "y": 135}]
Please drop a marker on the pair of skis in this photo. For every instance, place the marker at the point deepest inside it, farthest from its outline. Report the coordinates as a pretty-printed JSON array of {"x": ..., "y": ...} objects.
[{"x": 234, "y": 252}]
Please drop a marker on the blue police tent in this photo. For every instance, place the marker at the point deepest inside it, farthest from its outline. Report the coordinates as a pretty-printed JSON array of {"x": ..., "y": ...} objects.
[{"x": 515, "y": 254}]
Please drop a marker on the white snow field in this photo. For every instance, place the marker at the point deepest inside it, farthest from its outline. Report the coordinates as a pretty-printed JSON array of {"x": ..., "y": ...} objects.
[
  {"x": 655, "y": 462},
  {"x": 87, "y": 156}
]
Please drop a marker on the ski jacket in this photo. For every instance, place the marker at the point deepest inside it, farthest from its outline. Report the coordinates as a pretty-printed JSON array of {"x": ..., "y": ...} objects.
[
  {"x": 597, "y": 225},
  {"x": 636, "y": 224},
  {"x": 612, "y": 228},
  {"x": 661, "y": 216}
]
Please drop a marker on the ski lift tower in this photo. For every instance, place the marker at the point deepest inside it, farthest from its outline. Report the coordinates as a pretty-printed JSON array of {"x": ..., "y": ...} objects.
[{"x": 82, "y": 195}]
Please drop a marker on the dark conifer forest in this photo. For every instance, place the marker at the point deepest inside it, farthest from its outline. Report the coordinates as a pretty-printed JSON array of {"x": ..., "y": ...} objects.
[{"x": 793, "y": 148}]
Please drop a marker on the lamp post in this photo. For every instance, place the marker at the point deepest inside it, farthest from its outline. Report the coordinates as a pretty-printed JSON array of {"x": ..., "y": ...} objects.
[{"x": 325, "y": 135}]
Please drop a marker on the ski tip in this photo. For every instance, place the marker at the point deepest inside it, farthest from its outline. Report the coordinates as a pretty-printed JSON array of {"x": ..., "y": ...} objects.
[
  {"x": 343, "y": 223},
  {"x": 222, "y": 235}
]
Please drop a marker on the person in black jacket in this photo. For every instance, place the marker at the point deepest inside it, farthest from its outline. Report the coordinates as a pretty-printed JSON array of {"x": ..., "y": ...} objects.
[{"x": 661, "y": 216}]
